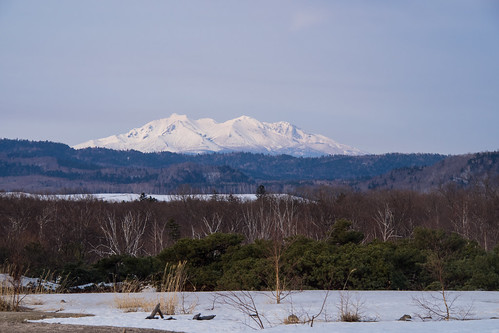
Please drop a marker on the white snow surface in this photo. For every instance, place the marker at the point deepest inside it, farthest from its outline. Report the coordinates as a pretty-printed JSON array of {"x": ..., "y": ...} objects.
[
  {"x": 179, "y": 134},
  {"x": 127, "y": 197},
  {"x": 380, "y": 311},
  {"x": 119, "y": 197}
]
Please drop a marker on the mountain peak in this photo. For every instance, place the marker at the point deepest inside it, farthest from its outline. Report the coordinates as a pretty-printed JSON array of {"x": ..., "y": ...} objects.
[
  {"x": 179, "y": 134},
  {"x": 244, "y": 118},
  {"x": 175, "y": 117}
]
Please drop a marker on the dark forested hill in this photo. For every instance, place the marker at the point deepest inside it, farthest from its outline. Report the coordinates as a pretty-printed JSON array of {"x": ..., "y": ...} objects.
[
  {"x": 55, "y": 167},
  {"x": 462, "y": 170}
]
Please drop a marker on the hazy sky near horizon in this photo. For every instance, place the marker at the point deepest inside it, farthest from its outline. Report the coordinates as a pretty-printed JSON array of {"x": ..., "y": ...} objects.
[{"x": 382, "y": 76}]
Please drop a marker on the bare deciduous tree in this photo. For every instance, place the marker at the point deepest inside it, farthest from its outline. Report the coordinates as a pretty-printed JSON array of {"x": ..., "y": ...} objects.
[
  {"x": 244, "y": 302},
  {"x": 385, "y": 221},
  {"x": 124, "y": 236},
  {"x": 212, "y": 225},
  {"x": 442, "y": 307},
  {"x": 256, "y": 223},
  {"x": 283, "y": 212},
  {"x": 157, "y": 235}
]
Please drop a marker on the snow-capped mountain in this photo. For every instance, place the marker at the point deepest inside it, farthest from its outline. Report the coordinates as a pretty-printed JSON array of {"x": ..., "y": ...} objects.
[{"x": 180, "y": 134}]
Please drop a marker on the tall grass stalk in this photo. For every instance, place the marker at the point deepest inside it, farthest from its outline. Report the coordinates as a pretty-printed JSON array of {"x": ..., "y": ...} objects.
[
  {"x": 11, "y": 289},
  {"x": 172, "y": 283},
  {"x": 15, "y": 286},
  {"x": 170, "y": 287}
]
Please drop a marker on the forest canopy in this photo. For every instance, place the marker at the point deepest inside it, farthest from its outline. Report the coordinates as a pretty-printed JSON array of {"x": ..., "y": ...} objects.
[{"x": 329, "y": 238}]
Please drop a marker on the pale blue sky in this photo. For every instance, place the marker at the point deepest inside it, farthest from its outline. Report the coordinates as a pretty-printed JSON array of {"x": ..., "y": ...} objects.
[{"x": 382, "y": 76}]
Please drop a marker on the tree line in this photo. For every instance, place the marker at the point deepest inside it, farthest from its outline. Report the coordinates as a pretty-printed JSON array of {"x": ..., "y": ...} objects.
[
  {"x": 388, "y": 239},
  {"x": 48, "y": 167}
]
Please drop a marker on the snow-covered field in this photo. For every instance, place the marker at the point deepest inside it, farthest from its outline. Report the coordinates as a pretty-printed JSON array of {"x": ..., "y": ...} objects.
[
  {"x": 127, "y": 197},
  {"x": 119, "y": 197},
  {"x": 380, "y": 311}
]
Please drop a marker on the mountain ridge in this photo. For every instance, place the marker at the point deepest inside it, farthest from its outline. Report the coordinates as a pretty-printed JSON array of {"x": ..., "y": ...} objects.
[
  {"x": 179, "y": 134},
  {"x": 48, "y": 167}
]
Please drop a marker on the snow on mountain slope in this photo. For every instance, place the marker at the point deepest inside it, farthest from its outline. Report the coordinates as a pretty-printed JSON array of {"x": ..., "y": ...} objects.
[{"x": 180, "y": 134}]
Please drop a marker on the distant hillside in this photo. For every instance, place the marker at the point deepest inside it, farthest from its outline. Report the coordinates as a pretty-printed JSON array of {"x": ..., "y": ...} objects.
[
  {"x": 55, "y": 167},
  {"x": 462, "y": 170}
]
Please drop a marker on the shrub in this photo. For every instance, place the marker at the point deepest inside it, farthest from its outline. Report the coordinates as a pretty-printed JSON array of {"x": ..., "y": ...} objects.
[
  {"x": 204, "y": 257},
  {"x": 349, "y": 309}
]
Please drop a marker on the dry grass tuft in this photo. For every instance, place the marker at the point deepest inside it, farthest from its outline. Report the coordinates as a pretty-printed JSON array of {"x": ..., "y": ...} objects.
[
  {"x": 291, "y": 319},
  {"x": 171, "y": 285},
  {"x": 130, "y": 302},
  {"x": 14, "y": 286},
  {"x": 5, "y": 305},
  {"x": 349, "y": 310},
  {"x": 128, "y": 299},
  {"x": 350, "y": 317},
  {"x": 11, "y": 288}
]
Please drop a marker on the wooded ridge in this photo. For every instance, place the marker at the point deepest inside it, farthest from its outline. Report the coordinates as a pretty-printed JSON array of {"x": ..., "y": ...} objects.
[{"x": 48, "y": 167}]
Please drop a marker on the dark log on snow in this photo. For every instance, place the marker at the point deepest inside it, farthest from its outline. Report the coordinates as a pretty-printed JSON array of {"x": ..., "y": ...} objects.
[
  {"x": 199, "y": 317},
  {"x": 154, "y": 311}
]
